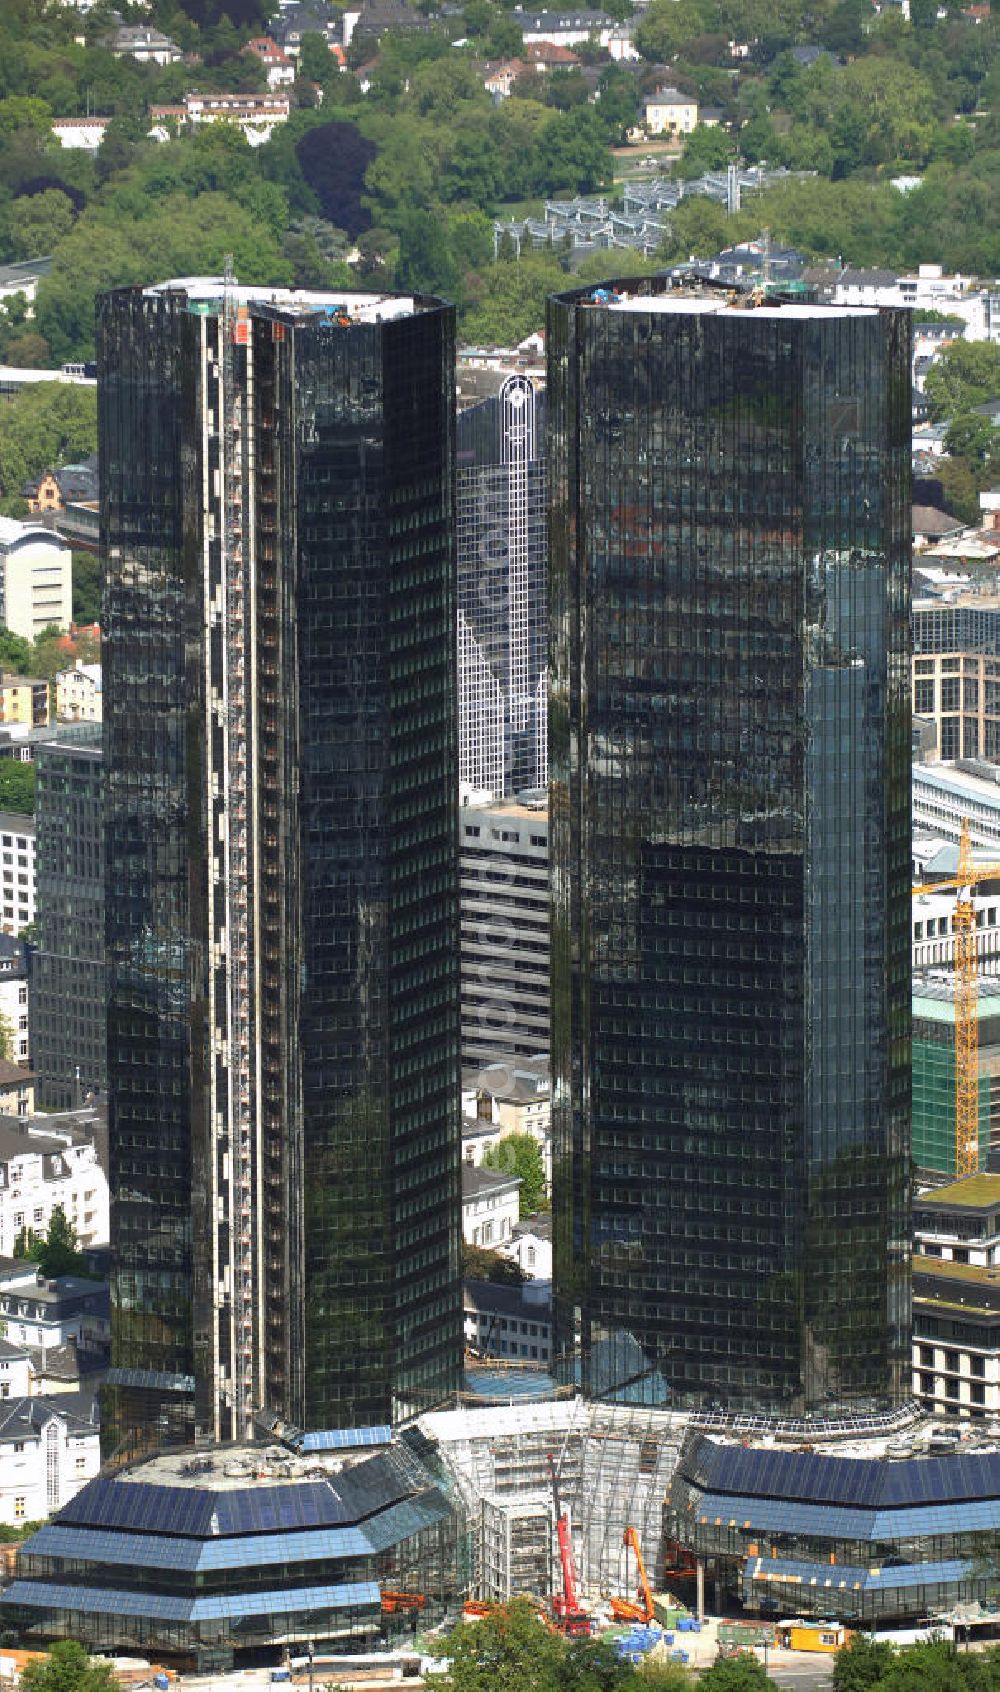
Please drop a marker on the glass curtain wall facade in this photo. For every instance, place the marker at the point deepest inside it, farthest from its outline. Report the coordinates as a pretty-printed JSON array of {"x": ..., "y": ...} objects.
[
  {"x": 729, "y": 815},
  {"x": 502, "y": 614},
  {"x": 277, "y": 521},
  {"x": 68, "y": 989}
]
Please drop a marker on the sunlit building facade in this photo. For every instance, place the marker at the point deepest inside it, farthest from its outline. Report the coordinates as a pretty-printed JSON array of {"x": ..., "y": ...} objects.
[{"x": 502, "y": 613}]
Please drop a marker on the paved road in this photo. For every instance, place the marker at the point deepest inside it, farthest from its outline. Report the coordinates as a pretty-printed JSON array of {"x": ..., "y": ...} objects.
[{"x": 807, "y": 1675}]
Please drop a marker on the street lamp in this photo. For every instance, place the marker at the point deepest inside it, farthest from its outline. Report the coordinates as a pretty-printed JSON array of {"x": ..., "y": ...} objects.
[{"x": 309, "y": 1653}]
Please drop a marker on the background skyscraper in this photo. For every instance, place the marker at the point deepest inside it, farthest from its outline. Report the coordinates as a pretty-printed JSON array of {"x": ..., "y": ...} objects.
[
  {"x": 277, "y": 488},
  {"x": 502, "y": 611},
  {"x": 69, "y": 993},
  {"x": 729, "y": 744}
]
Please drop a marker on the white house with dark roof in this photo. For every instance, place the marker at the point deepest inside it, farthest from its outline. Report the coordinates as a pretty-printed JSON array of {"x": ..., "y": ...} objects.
[
  {"x": 42, "y": 1171},
  {"x": 490, "y": 1206},
  {"x": 48, "y": 1452},
  {"x": 566, "y": 28}
]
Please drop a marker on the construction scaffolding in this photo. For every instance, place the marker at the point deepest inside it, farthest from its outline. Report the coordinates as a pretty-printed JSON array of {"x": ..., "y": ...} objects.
[{"x": 614, "y": 1464}]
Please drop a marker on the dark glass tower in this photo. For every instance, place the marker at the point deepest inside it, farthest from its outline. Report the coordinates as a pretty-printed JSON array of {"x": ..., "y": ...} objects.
[
  {"x": 729, "y": 748},
  {"x": 277, "y": 520}
]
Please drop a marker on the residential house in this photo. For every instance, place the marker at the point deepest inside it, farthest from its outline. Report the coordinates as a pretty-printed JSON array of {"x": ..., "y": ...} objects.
[
  {"x": 78, "y": 694},
  {"x": 989, "y": 505},
  {"x": 80, "y": 134},
  {"x": 508, "y": 1097},
  {"x": 549, "y": 55},
  {"x": 564, "y": 29},
  {"x": 23, "y": 278},
  {"x": 55, "y": 489},
  {"x": 297, "y": 18},
  {"x": 17, "y": 1090},
  {"x": 931, "y": 525},
  {"x": 621, "y": 45},
  {"x": 146, "y": 45},
  {"x": 510, "y": 1322},
  {"x": 17, "y": 870},
  {"x": 24, "y": 700},
  {"x": 280, "y": 67},
  {"x": 15, "y": 1025},
  {"x": 669, "y": 112},
  {"x": 15, "y": 1371},
  {"x": 530, "y": 1246},
  {"x": 258, "y": 115},
  {"x": 68, "y": 1309},
  {"x": 46, "y": 1164},
  {"x": 490, "y": 1206},
  {"x": 48, "y": 1453},
  {"x": 36, "y": 589}
]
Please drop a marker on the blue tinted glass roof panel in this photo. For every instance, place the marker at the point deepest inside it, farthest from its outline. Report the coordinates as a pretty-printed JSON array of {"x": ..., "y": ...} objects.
[
  {"x": 851, "y": 1481},
  {"x": 343, "y": 1439},
  {"x": 53, "y": 1595},
  {"x": 834, "y": 1575}
]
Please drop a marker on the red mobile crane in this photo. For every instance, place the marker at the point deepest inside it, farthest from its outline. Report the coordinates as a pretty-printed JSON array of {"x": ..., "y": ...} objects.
[{"x": 570, "y": 1619}]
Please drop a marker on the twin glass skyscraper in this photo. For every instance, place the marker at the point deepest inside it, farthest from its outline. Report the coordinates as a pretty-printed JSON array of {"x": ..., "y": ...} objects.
[
  {"x": 277, "y": 525},
  {"x": 729, "y": 835},
  {"x": 729, "y": 839}
]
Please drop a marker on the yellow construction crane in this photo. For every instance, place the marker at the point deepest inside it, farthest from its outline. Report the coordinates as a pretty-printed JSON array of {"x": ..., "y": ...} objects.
[{"x": 966, "y": 1000}]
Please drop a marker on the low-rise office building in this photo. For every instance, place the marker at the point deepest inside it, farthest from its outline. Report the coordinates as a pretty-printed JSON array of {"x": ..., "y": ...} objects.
[
  {"x": 504, "y": 908},
  {"x": 509, "y": 1322},
  {"x": 36, "y": 590},
  {"x": 933, "y": 1064},
  {"x": 856, "y": 1538},
  {"x": 956, "y": 1298},
  {"x": 17, "y": 871},
  {"x": 213, "y": 1557}
]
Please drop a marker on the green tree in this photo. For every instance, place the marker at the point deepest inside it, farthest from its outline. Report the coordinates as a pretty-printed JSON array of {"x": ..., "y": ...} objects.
[
  {"x": 17, "y": 787},
  {"x": 521, "y": 1155},
  {"x": 512, "y": 304},
  {"x": 742, "y": 1673},
  {"x": 971, "y": 436},
  {"x": 425, "y": 263},
  {"x": 705, "y": 149},
  {"x": 510, "y": 1650},
  {"x": 57, "y": 1252},
  {"x": 934, "y": 1668},
  {"x": 481, "y": 1264},
  {"x": 48, "y": 424},
  {"x": 86, "y": 587},
  {"x": 40, "y": 222},
  {"x": 15, "y": 652},
  {"x": 26, "y": 1243},
  {"x": 698, "y": 228},
  {"x": 862, "y": 1663},
  {"x": 665, "y": 27},
  {"x": 966, "y": 374},
  {"x": 68, "y": 1668},
  {"x": 7, "y": 1040}
]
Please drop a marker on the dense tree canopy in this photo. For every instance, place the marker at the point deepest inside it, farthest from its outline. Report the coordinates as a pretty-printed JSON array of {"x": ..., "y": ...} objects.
[
  {"x": 413, "y": 169},
  {"x": 44, "y": 426}
]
